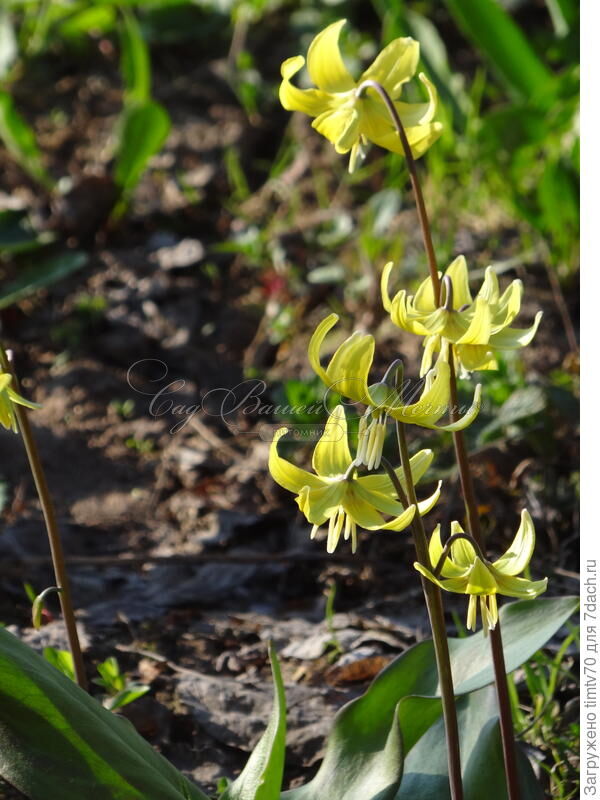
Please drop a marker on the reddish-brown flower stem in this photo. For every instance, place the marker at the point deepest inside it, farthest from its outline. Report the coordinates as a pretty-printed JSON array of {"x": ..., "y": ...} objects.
[
  {"x": 466, "y": 479},
  {"x": 414, "y": 179},
  {"x": 435, "y": 609},
  {"x": 446, "y": 551},
  {"x": 506, "y": 726}
]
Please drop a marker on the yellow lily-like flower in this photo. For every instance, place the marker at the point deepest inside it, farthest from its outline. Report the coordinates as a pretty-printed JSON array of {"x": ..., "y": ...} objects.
[
  {"x": 348, "y": 120},
  {"x": 348, "y": 373},
  {"x": 8, "y": 397},
  {"x": 465, "y": 572},
  {"x": 335, "y": 494},
  {"x": 476, "y": 328}
]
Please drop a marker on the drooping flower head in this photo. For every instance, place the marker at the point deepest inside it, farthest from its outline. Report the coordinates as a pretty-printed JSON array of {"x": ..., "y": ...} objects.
[
  {"x": 334, "y": 493},
  {"x": 350, "y": 121},
  {"x": 8, "y": 397},
  {"x": 348, "y": 374},
  {"x": 477, "y": 328},
  {"x": 466, "y": 573}
]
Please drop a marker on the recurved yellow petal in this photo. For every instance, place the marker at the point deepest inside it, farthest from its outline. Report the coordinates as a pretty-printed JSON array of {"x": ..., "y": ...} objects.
[
  {"x": 433, "y": 402},
  {"x": 311, "y": 101},
  {"x": 415, "y": 114},
  {"x": 425, "y": 506},
  {"x": 471, "y": 414},
  {"x": 331, "y": 456},
  {"x": 348, "y": 370},
  {"x": 448, "y": 584},
  {"x": 424, "y": 298},
  {"x": 394, "y": 66},
  {"x": 519, "y": 587},
  {"x": 419, "y": 464},
  {"x": 480, "y": 327},
  {"x": 431, "y": 345},
  {"x": 459, "y": 275},
  {"x": 518, "y": 555},
  {"x": 508, "y": 306},
  {"x": 420, "y": 138},
  {"x": 513, "y": 338},
  {"x": 449, "y": 568},
  {"x": 401, "y": 522},
  {"x": 286, "y": 474},
  {"x": 385, "y": 277},
  {"x": 490, "y": 290},
  {"x": 463, "y": 553},
  {"x": 316, "y": 343},
  {"x": 324, "y": 61}
]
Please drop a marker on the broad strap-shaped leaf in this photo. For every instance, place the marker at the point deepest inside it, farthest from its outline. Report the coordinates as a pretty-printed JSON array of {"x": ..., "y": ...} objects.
[
  {"x": 426, "y": 769},
  {"x": 56, "y": 740},
  {"x": 363, "y": 757},
  {"x": 261, "y": 777}
]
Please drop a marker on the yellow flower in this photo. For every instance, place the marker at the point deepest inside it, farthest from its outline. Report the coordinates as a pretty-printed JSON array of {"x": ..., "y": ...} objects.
[
  {"x": 348, "y": 373},
  {"x": 465, "y": 572},
  {"x": 334, "y": 494},
  {"x": 8, "y": 397},
  {"x": 349, "y": 121},
  {"x": 477, "y": 328}
]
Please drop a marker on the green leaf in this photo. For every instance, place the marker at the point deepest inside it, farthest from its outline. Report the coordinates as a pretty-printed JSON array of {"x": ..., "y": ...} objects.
[
  {"x": 363, "y": 757},
  {"x": 17, "y": 234},
  {"x": 111, "y": 677},
  {"x": 435, "y": 57},
  {"x": 425, "y": 769},
  {"x": 131, "y": 692},
  {"x": 522, "y": 403},
  {"x": 135, "y": 59},
  {"x": 99, "y": 19},
  {"x": 53, "y": 734},
  {"x": 44, "y": 272},
  {"x": 62, "y": 660},
  {"x": 20, "y": 142},
  {"x": 503, "y": 44},
  {"x": 261, "y": 777},
  {"x": 144, "y": 130}
]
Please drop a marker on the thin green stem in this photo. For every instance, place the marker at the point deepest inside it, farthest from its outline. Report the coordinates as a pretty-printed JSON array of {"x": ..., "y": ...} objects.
[
  {"x": 56, "y": 549},
  {"x": 433, "y": 600}
]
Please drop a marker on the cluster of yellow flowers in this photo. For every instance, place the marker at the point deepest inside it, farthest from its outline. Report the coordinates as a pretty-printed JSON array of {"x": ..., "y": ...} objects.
[{"x": 456, "y": 329}]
